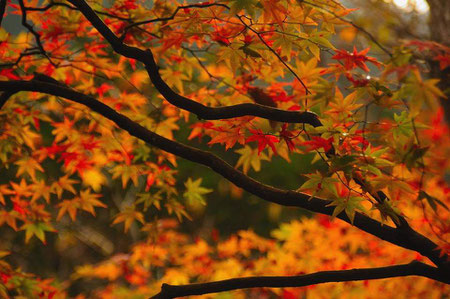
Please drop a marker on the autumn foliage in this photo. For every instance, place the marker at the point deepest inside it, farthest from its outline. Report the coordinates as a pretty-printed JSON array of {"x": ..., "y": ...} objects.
[{"x": 101, "y": 102}]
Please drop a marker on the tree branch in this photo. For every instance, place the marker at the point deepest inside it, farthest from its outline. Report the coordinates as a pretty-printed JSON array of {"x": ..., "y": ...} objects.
[
  {"x": 5, "y": 97},
  {"x": 2, "y": 10},
  {"x": 413, "y": 268},
  {"x": 202, "y": 111},
  {"x": 405, "y": 237},
  {"x": 37, "y": 36}
]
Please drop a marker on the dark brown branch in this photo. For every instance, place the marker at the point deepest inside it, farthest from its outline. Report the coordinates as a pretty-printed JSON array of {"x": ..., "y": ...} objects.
[
  {"x": 405, "y": 237},
  {"x": 413, "y": 268},
  {"x": 21, "y": 55},
  {"x": 2, "y": 10},
  {"x": 30, "y": 28},
  {"x": 5, "y": 97},
  {"x": 202, "y": 112}
]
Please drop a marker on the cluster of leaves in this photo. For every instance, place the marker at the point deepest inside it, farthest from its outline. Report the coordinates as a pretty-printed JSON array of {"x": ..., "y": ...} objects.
[
  {"x": 175, "y": 258},
  {"x": 381, "y": 133}
]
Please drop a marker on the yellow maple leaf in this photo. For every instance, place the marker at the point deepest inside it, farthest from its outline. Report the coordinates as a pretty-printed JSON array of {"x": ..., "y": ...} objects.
[
  {"x": 93, "y": 178},
  {"x": 29, "y": 166}
]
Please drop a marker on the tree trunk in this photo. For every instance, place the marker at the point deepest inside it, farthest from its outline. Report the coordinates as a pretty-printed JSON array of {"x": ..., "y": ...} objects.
[{"x": 440, "y": 32}]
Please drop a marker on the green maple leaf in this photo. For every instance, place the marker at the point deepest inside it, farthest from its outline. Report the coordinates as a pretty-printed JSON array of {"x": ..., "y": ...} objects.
[
  {"x": 349, "y": 205},
  {"x": 194, "y": 192},
  {"x": 249, "y": 5},
  {"x": 249, "y": 157},
  {"x": 37, "y": 229}
]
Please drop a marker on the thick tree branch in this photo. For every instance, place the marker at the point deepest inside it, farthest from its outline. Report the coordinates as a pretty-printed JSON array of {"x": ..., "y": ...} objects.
[
  {"x": 413, "y": 268},
  {"x": 202, "y": 111},
  {"x": 2, "y": 10},
  {"x": 439, "y": 24},
  {"x": 5, "y": 96},
  {"x": 405, "y": 237}
]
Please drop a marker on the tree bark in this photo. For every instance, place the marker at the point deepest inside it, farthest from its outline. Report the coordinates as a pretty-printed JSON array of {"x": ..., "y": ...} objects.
[{"x": 439, "y": 24}]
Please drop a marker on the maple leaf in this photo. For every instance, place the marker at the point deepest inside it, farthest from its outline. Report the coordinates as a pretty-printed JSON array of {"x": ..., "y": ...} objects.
[
  {"x": 420, "y": 91},
  {"x": 50, "y": 151},
  {"x": 228, "y": 137},
  {"x": 174, "y": 78},
  {"x": 198, "y": 129},
  {"x": 287, "y": 136},
  {"x": 274, "y": 10},
  {"x": 20, "y": 206},
  {"x": 250, "y": 157},
  {"x": 317, "y": 182},
  {"x": 93, "y": 178},
  {"x": 175, "y": 207},
  {"x": 355, "y": 59},
  {"x": 126, "y": 172},
  {"x": 194, "y": 193},
  {"x": 349, "y": 205},
  {"x": 127, "y": 5},
  {"x": 102, "y": 89},
  {"x": 64, "y": 183},
  {"x": 9, "y": 73},
  {"x": 166, "y": 127},
  {"x": 68, "y": 206},
  {"x": 36, "y": 229},
  {"x": 149, "y": 200},
  {"x": 9, "y": 218},
  {"x": 4, "y": 191},
  {"x": 238, "y": 5},
  {"x": 21, "y": 189},
  {"x": 62, "y": 130},
  {"x": 263, "y": 140},
  {"x": 319, "y": 142},
  {"x": 174, "y": 40},
  {"x": 89, "y": 200},
  {"x": 28, "y": 165},
  {"x": 357, "y": 82},
  {"x": 343, "y": 106},
  {"x": 444, "y": 61},
  {"x": 128, "y": 216},
  {"x": 439, "y": 128},
  {"x": 232, "y": 57}
]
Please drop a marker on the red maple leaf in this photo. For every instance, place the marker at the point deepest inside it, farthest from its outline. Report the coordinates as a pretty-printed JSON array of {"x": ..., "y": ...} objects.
[
  {"x": 20, "y": 206},
  {"x": 357, "y": 82},
  {"x": 355, "y": 59},
  {"x": 8, "y": 73},
  {"x": 103, "y": 88},
  {"x": 4, "y": 277},
  {"x": 444, "y": 60},
  {"x": 438, "y": 128},
  {"x": 127, "y": 5},
  {"x": 287, "y": 137},
  {"x": 55, "y": 149},
  {"x": 263, "y": 140},
  {"x": 319, "y": 142}
]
